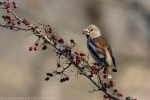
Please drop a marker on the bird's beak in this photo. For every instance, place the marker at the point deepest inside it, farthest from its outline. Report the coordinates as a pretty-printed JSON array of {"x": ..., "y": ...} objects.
[{"x": 86, "y": 31}]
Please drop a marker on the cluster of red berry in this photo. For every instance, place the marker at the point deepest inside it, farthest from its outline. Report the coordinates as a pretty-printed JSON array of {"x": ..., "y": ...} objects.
[{"x": 9, "y": 5}]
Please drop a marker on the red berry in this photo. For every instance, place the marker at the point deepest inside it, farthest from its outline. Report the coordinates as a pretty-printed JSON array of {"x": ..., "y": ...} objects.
[
  {"x": 111, "y": 83},
  {"x": 61, "y": 39},
  {"x": 120, "y": 94},
  {"x": 15, "y": 6},
  {"x": 13, "y": 23},
  {"x": 67, "y": 49},
  {"x": 77, "y": 53},
  {"x": 77, "y": 61},
  {"x": 105, "y": 96},
  {"x": 93, "y": 72},
  {"x": 36, "y": 44},
  {"x": 8, "y": 10},
  {"x": 8, "y": 18},
  {"x": 40, "y": 36},
  {"x": 105, "y": 69},
  {"x": 9, "y": 4},
  {"x": 55, "y": 43},
  {"x": 35, "y": 48},
  {"x": 105, "y": 76},
  {"x": 3, "y": 17},
  {"x": 78, "y": 57},
  {"x": 4, "y": 2},
  {"x": 71, "y": 57},
  {"x": 27, "y": 22},
  {"x": 108, "y": 86},
  {"x": 30, "y": 48},
  {"x": 11, "y": 27},
  {"x": 95, "y": 67},
  {"x": 104, "y": 72},
  {"x": 54, "y": 37},
  {"x": 18, "y": 22},
  {"x": 92, "y": 68},
  {"x": 82, "y": 54}
]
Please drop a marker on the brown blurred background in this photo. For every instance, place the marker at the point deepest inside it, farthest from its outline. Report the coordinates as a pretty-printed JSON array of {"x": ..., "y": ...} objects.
[{"x": 125, "y": 23}]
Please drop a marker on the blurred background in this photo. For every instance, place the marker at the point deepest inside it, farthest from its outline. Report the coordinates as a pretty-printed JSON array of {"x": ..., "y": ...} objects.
[{"x": 125, "y": 24}]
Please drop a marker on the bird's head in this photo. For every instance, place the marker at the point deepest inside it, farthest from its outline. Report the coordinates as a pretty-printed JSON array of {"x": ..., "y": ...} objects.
[{"x": 92, "y": 30}]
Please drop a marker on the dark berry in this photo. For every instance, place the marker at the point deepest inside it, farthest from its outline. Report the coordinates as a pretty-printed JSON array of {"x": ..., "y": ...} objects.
[
  {"x": 44, "y": 47},
  {"x": 114, "y": 70},
  {"x": 64, "y": 79},
  {"x": 47, "y": 78},
  {"x": 50, "y": 30},
  {"x": 61, "y": 80},
  {"x": 49, "y": 74},
  {"x": 72, "y": 41},
  {"x": 67, "y": 78},
  {"x": 105, "y": 76},
  {"x": 58, "y": 65},
  {"x": 18, "y": 22}
]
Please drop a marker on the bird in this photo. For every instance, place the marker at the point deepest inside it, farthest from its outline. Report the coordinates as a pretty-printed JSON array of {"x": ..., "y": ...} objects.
[{"x": 99, "y": 48}]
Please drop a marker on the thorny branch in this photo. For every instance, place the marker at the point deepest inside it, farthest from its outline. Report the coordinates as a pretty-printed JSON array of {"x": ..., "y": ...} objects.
[{"x": 46, "y": 37}]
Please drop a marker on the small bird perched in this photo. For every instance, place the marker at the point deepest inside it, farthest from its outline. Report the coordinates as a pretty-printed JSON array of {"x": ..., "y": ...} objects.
[{"x": 99, "y": 48}]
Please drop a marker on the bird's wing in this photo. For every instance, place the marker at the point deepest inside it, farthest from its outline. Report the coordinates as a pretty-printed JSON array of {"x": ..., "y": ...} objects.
[
  {"x": 102, "y": 47},
  {"x": 96, "y": 56}
]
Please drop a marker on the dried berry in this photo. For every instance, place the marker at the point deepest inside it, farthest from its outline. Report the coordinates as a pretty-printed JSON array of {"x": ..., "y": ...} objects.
[
  {"x": 18, "y": 22},
  {"x": 67, "y": 78},
  {"x": 44, "y": 47},
  {"x": 72, "y": 41},
  {"x": 114, "y": 70},
  {"x": 49, "y": 74},
  {"x": 61, "y": 80},
  {"x": 47, "y": 78},
  {"x": 105, "y": 76},
  {"x": 58, "y": 65},
  {"x": 11, "y": 27}
]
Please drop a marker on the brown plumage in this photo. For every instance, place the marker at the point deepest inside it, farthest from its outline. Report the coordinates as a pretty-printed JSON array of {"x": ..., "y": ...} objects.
[{"x": 100, "y": 42}]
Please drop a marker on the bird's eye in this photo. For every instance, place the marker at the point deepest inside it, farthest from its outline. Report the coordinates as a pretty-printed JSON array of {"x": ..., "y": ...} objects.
[{"x": 91, "y": 29}]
